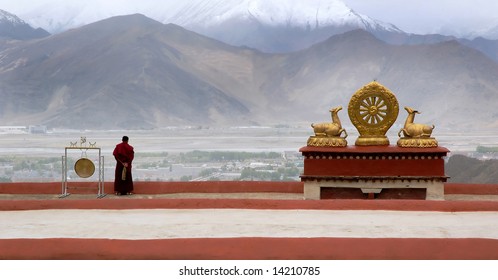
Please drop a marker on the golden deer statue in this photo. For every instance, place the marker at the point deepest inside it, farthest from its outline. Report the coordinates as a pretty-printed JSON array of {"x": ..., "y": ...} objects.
[
  {"x": 330, "y": 129},
  {"x": 415, "y": 130}
]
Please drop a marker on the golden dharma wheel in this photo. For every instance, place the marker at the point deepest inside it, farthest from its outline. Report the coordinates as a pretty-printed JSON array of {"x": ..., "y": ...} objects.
[
  {"x": 373, "y": 109},
  {"x": 84, "y": 167}
]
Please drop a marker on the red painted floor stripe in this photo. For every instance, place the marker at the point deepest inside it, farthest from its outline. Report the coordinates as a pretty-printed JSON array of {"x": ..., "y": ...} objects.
[{"x": 251, "y": 249}]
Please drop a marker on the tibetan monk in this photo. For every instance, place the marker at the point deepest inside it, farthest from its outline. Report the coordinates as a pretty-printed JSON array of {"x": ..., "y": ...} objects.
[{"x": 124, "y": 154}]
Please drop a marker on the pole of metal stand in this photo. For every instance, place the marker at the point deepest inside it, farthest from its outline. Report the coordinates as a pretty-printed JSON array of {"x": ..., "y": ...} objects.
[
  {"x": 101, "y": 192},
  {"x": 103, "y": 175},
  {"x": 62, "y": 172},
  {"x": 64, "y": 192}
]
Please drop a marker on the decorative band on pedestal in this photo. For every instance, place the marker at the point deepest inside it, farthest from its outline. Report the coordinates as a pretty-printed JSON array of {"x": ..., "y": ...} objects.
[
  {"x": 405, "y": 142},
  {"x": 323, "y": 141}
]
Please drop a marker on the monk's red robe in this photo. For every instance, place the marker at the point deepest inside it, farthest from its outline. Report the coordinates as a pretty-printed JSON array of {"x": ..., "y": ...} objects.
[{"x": 123, "y": 153}]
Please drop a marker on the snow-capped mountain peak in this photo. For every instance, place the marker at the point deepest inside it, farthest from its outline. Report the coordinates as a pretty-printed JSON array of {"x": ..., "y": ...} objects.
[
  {"x": 12, "y": 27},
  {"x": 290, "y": 12},
  {"x": 59, "y": 15},
  {"x": 308, "y": 14},
  {"x": 6, "y": 17},
  {"x": 279, "y": 22}
]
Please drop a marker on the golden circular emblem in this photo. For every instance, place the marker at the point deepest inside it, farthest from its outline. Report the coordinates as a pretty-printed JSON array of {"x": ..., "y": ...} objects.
[
  {"x": 84, "y": 167},
  {"x": 373, "y": 109}
]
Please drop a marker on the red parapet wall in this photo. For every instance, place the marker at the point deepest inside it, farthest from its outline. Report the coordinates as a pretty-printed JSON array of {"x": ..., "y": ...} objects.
[
  {"x": 209, "y": 187},
  {"x": 157, "y": 187},
  {"x": 219, "y": 187},
  {"x": 475, "y": 189}
]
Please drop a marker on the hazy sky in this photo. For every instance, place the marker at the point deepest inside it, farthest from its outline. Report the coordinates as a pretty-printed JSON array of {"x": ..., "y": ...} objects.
[{"x": 457, "y": 17}]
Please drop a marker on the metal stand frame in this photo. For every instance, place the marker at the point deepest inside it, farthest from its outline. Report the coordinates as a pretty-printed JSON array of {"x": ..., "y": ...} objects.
[{"x": 100, "y": 191}]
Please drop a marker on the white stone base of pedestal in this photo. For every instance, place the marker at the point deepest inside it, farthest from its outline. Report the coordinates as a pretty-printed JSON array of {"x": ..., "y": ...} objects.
[{"x": 434, "y": 188}]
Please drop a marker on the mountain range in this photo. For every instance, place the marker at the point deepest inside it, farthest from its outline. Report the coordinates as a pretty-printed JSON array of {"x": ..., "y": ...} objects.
[
  {"x": 274, "y": 26},
  {"x": 463, "y": 169},
  {"x": 59, "y": 15},
  {"x": 12, "y": 27},
  {"x": 135, "y": 72}
]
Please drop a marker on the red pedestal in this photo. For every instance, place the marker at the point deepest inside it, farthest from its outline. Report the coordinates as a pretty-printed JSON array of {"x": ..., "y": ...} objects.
[{"x": 373, "y": 168}]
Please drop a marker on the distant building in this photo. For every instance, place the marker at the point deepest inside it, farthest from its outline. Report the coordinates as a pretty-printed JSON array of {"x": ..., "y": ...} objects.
[
  {"x": 13, "y": 129},
  {"x": 37, "y": 129}
]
